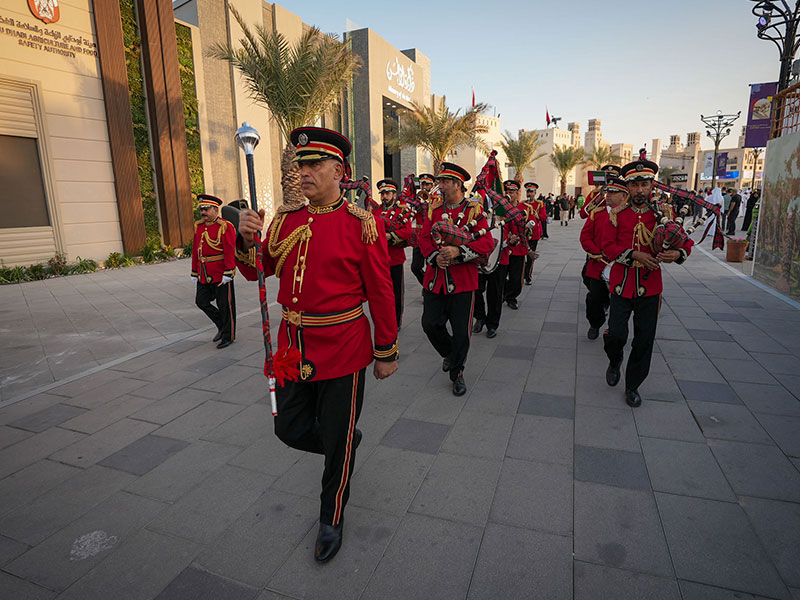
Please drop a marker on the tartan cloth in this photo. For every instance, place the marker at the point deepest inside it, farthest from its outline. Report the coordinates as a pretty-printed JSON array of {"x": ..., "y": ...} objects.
[{"x": 719, "y": 238}]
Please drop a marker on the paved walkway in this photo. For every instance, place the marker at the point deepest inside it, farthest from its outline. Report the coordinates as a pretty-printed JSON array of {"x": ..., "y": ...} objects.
[{"x": 159, "y": 477}]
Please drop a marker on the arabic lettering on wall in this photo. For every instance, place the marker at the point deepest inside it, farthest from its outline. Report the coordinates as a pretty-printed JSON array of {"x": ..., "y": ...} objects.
[{"x": 403, "y": 77}]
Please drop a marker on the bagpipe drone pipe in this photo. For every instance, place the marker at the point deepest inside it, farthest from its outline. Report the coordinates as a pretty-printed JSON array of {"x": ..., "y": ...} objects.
[{"x": 670, "y": 233}]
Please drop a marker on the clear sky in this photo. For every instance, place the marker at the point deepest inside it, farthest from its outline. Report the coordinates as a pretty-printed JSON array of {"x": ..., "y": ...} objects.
[{"x": 646, "y": 68}]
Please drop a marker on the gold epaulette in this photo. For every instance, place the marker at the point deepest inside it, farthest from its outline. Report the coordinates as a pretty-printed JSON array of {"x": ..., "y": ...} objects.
[
  {"x": 248, "y": 258},
  {"x": 197, "y": 223},
  {"x": 595, "y": 210},
  {"x": 615, "y": 211},
  {"x": 475, "y": 210},
  {"x": 369, "y": 230},
  {"x": 433, "y": 206}
]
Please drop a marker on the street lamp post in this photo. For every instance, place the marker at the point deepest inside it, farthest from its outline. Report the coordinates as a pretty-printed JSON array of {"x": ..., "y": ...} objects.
[
  {"x": 717, "y": 128},
  {"x": 756, "y": 152},
  {"x": 777, "y": 22}
]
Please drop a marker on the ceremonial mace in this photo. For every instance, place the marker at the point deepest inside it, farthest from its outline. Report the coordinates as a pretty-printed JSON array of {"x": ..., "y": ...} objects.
[{"x": 247, "y": 138}]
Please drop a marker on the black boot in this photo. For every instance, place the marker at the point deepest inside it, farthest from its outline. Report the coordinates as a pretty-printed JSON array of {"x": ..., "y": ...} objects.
[
  {"x": 446, "y": 365},
  {"x": 612, "y": 374},
  {"x": 459, "y": 387},
  {"x": 217, "y": 337},
  {"x": 478, "y": 327},
  {"x": 593, "y": 333},
  {"x": 329, "y": 540},
  {"x": 491, "y": 332},
  {"x": 357, "y": 435},
  {"x": 632, "y": 398}
]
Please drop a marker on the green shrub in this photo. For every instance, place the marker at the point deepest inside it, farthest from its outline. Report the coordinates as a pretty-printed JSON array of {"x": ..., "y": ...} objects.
[
  {"x": 114, "y": 260},
  {"x": 126, "y": 260},
  {"x": 165, "y": 253},
  {"x": 38, "y": 272},
  {"x": 187, "y": 248},
  {"x": 84, "y": 265},
  {"x": 58, "y": 264},
  {"x": 19, "y": 274},
  {"x": 150, "y": 251}
]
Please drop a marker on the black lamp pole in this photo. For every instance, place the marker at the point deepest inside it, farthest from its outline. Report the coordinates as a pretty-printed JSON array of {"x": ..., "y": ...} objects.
[{"x": 717, "y": 128}]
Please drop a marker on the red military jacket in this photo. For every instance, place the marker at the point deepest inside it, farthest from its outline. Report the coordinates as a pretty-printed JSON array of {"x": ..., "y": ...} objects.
[
  {"x": 631, "y": 229},
  {"x": 587, "y": 204},
  {"x": 592, "y": 241},
  {"x": 462, "y": 276},
  {"x": 400, "y": 217},
  {"x": 329, "y": 260},
  {"x": 537, "y": 212},
  {"x": 214, "y": 251}
]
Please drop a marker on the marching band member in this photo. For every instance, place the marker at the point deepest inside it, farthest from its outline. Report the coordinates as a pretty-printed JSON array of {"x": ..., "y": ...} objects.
[
  {"x": 517, "y": 252},
  {"x": 329, "y": 256},
  {"x": 397, "y": 218},
  {"x": 537, "y": 216},
  {"x": 451, "y": 277},
  {"x": 595, "y": 197},
  {"x": 417, "y": 260},
  {"x": 635, "y": 279}
]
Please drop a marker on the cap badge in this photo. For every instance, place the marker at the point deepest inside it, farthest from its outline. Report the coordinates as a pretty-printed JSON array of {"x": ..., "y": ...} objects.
[
  {"x": 302, "y": 139},
  {"x": 639, "y": 167}
]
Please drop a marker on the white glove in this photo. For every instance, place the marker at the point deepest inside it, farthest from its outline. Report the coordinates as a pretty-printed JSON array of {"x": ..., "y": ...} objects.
[
  {"x": 226, "y": 279},
  {"x": 194, "y": 278}
]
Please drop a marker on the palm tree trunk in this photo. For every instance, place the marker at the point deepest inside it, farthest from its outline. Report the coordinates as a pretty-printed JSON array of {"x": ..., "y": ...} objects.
[
  {"x": 563, "y": 185},
  {"x": 293, "y": 197},
  {"x": 518, "y": 176}
]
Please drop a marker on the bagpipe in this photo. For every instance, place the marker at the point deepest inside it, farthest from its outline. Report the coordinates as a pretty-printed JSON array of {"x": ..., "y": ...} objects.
[
  {"x": 670, "y": 234},
  {"x": 363, "y": 190}
]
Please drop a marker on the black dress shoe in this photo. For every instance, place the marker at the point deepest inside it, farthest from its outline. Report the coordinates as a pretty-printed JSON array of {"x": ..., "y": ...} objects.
[
  {"x": 593, "y": 333},
  {"x": 612, "y": 374},
  {"x": 224, "y": 344},
  {"x": 446, "y": 365},
  {"x": 478, "y": 327},
  {"x": 329, "y": 540},
  {"x": 459, "y": 387},
  {"x": 217, "y": 337},
  {"x": 357, "y": 435},
  {"x": 528, "y": 282},
  {"x": 632, "y": 398},
  {"x": 490, "y": 333},
  {"x": 512, "y": 304}
]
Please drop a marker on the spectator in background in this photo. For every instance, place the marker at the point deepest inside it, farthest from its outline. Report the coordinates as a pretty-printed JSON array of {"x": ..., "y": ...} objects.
[
  {"x": 726, "y": 204},
  {"x": 733, "y": 211},
  {"x": 572, "y": 203},
  {"x": 748, "y": 215},
  {"x": 557, "y": 208},
  {"x": 564, "y": 206}
]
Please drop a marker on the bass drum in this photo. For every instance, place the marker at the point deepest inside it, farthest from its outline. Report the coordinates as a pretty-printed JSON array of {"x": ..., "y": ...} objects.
[{"x": 493, "y": 260}]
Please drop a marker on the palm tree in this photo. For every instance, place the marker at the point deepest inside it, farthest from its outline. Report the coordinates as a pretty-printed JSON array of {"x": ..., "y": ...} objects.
[
  {"x": 522, "y": 151},
  {"x": 564, "y": 159},
  {"x": 602, "y": 155},
  {"x": 297, "y": 82},
  {"x": 436, "y": 129}
]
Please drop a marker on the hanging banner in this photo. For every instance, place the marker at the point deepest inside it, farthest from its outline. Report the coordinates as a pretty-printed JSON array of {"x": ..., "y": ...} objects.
[
  {"x": 722, "y": 164},
  {"x": 759, "y": 114}
]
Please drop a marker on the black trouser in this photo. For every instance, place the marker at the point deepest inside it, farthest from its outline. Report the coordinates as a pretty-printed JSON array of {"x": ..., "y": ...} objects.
[
  {"x": 396, "y": 271},
  {"x": 544, "y": 228},
  {"x": 492, "y": 285},
  {"x": 320, "y": 417},
  {"x": 529, "y": 261},
  {"x": 418, "y": 265},
  {"x": 516, "y": 268},
  {"x": 224, "y": 313},
  {"x": 731, "y": 224},
  {"x": 597, "y": 301},
  {"x": 645, "y": 321},
  {"x": 437, "y": 310}
]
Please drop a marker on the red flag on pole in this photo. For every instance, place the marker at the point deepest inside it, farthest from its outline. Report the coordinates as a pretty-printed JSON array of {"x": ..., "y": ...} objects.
[
  {"x": 473, "y": 96},
  {"x": 547, "y": 117}
]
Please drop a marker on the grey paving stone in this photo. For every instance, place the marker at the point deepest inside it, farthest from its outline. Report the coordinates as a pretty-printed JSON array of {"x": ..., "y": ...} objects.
[
  {"x": 144, "y": 454},
  {"x": 787, "y": 364},
  {"x": 194, "y": 584},
  {"x": 558, "y": 381},
  {"x": 535, "y": 496},
  {"x": 90, "y": 382},
  {"x": 436, "y": 404},
  {"x": 619, "y": 528},
  {"x": 479, "y": 434},
  {"x": 94, "y": 448},
  {"x": 169, "y": 384},
  {"x": 544, "y": 439},
  {"x": 10, "y": 436},
  {"x": 29, "y": 483},
  {"x": 247, "y": 391},
  {"x": 698, "y": 591},
  {"x": 94, "y": 420},
  {"x": 559, "y": 327},
  {"x": 303, "y": 479},
  {"x": 784, "y": 430},
  {"x": 705, "y": 334},
  {"x": 39, "y": 519},
  {"x": 102, "y": 395},
  {"x": 136, "y": 365},
  {"x": 270, "y": 595},
  {"x": 743, "y": 370},
  {"x": 743, "y": 303},
  {"x": 459, "y": 488},
  {"x": 161, "y": 557},
  {"x": 421, "y": 546},
  {"x": 730, "y": 349},
  {"x": 499, "y": 572},
  {"x": 694, "y": 369},
  {"x": 545, "y": 405},
  {"x": 173, "y": 406},
  {"x": 183, "y": 346},
  {"x": 708, "y": 392},
  {"x": 679, "y": 348},
  {"x": 210, "y": 365},
  {"x": 778, "y": 527},
  {"x": 227, "y": 378},
  {"x": 767, "y": 399},
  {"x": 211, "y": 507},
  {"x": 199, "y": 421},
  {"x": 606, "y": 428},
  {"x": 617, "y": 468},
  {"x": 671, "y": 420},
  {"x": 366, "y": 535},
  {"x": 734, "y": 317},
  {"x": 712, "y": 542},
  {"x": 17, "y": 589},
  {"x": 592, "y": 390},
  {"x": 10, "y": 549},
  {"x": 554, "y": 339},
  {"x": 728, "y": 422},
  {"x": 66, "y": 556},
  {"x": 27, "y": 407},
  {"x": 35, "y": 448},
  {"x": 51, "y": 416},
  {"x": 244, "y": 428},
  {"x": 419, "y": 436},
  {"x": 496, "y": 397},
  {"x": 515, "y": 352},
  {"x": 685, "y": 468},
  {"x": 389, "y": 479},
  {"x": 596, "y": 581}
]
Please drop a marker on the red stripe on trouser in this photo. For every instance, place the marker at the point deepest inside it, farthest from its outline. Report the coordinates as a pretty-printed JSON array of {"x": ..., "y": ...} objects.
[
  {"x": 337, "y": 512},
  {"x": 231, "y": 318}
]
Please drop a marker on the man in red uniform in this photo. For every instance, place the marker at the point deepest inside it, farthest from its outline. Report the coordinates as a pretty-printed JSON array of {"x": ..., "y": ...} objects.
[
  {"x": 397, "y": 222},
  {"x": 329, "y": 256},
  {"x": 596, "y": 196},
  {"x": 517, "y": 252},
  {"x": 417, "y": 260},
  {"x": 537, "y": 218},
  {"x": 213, "y": 268},
  {"x": 614, "y": 193},
  {"x": 635, "y": 280},
  {"x": 452, "y": 275}
]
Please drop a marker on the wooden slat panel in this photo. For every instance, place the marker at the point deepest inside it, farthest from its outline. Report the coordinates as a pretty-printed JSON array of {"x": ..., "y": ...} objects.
[{"x": 108, "y": 24}]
